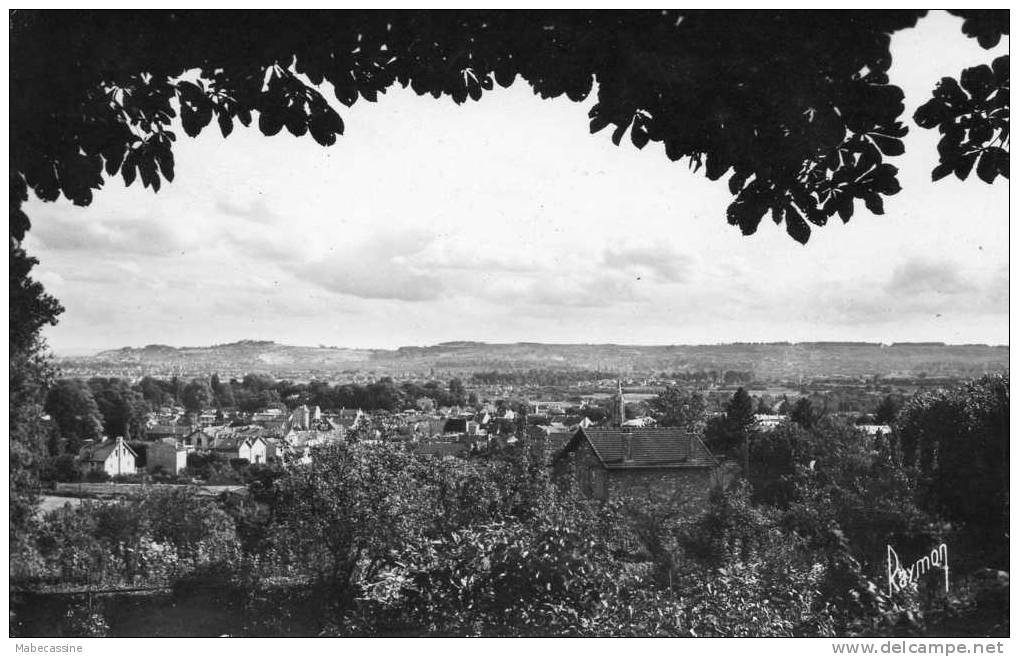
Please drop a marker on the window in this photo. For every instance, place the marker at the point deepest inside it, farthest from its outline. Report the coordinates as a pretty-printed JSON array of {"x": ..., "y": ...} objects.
[
  {"x": 598, "y": 488},
  {"x": 588, "y": 481}
]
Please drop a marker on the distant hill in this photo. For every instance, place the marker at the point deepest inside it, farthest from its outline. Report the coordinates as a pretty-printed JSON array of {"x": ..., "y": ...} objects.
[
  {"x": 258, "y": 355},
  {"x": 767, "y": 360}
]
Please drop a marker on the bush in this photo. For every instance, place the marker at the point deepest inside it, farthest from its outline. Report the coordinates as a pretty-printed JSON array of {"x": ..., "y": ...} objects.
[{"x": 62, "y": 468}]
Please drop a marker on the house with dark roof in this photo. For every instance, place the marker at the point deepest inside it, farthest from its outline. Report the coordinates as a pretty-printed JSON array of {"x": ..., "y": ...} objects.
[
  {"x": 252, "y": 448},
  {"x": 114, "y": 457},
  {"x": 202, "y": 439},
  {"x": 455, "y": 425},
  {"x": 442, "y": 449},
  {"x": 610, "y": 463}
]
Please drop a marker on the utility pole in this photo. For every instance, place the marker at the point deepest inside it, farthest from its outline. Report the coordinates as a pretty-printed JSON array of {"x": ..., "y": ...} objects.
[{"x": 746, "y": 455}]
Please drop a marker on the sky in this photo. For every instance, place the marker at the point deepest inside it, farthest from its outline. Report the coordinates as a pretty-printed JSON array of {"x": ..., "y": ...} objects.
[{"x": 506, "y": 220}]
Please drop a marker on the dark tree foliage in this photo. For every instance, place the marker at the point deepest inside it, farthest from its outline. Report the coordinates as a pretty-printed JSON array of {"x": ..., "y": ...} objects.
[
  {"x": 222, "y": 392},
  {"x": 959, "y": 441},
  {"x": 887, "y": 409},
  {"x": 972, "y": 116},
  {"x": 794, "y": 106},
  {"x": 72, "y": 406},
  {"x": 676, "y": 407},
  {"x": 197, "y": 395},
  {"x": 774, "y": 456},
  {"x": 729, "y": 433},
  {"x": 739, "y": 413},
  {"x": 122, "y": 408},
  {"x": 804, "y": 413},
  {"x": 972, "y": 113},
  {"x": 29, "y": 376},
  {"x": 540, "y": 377},
  {"x": 457, "y": 392},
  {"x": 30, "y": 373}
]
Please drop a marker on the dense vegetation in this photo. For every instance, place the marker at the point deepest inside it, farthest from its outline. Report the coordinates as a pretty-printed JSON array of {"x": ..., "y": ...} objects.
[{"x": 371, "y": 539}]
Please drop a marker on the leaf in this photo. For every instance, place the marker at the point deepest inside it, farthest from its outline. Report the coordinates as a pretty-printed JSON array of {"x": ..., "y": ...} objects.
[
  {"x": 941, "y": 171},
  {"x": 474, "y": 90},
  {"x": 674, "y": 149},
  {"x": 795, "y": 225},
  {"x": 598, "y": 122},
  {"x": 320, "y": 133},
  {"x": 746, "y": 212},
  {"x": 345, "y": 90},
  {"x": 638, "y": 135},
  {"x": 948, "y": 91},
  {"x": 715, "y": 167},
  {"x": 978, "y": 81},
  {"x": 226, "y": 123},
  {"x": 19, "y": 224},
  {"x": 269, "y": 122},
  {"x": 931, "y": 114},
  {"x": 888, "y": 145},
  {"x": 1002, "y": 163},
  {"x": 1000, "y": 67},
  {"x": 736, "y": 182},
  {"x": 155, "y": 181},
  {"x": 297, "y": 123},
  {"x": 845, "y": 208},
  {"x": 114, "y": 156},
  {"x": 128, "y": 170},
  {"x": 981, "y": 133},
  {"x": 165, "y": 159},
  {"x": 147, "y": 173},
  {"x": 617, "y": 135},
  {"x": 987, "y": 167},
  {"x": 874, "y": 203},
  {"x": 964, "y": 164},
  {"x": 505, "y": 75}
]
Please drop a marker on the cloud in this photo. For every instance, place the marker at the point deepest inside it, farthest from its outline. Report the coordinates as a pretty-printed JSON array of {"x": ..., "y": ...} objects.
[
  {"x": 370, "y": 279},
  {"x": 919, "y": 276},
  {"x": 381, "y": 268},
  {"x": 257, "y": 211},
  {"x": 268, "y": 245},
  {"x": 599, "y": 290},
  {"x": 918, "y": 288},
  {"x": 145, "y": 236},
  {"x": 658, "y": 263}
]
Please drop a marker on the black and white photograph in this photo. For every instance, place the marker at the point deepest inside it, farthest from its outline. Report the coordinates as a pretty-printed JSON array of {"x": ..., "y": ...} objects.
[{"x": 496, "y": 323}]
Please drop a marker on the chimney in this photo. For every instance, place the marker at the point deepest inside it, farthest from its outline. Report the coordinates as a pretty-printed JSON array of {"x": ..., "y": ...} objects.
[{"x": 627, "y": 447}]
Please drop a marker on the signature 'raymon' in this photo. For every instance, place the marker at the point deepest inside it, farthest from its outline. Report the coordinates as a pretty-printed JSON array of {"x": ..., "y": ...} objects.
[{"x": 899, "y": 577}]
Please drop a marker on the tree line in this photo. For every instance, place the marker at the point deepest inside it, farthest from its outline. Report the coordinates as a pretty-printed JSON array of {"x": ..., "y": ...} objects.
[
  {"x": 83, "y": 410},
  {"x": 540, "y": 377}
]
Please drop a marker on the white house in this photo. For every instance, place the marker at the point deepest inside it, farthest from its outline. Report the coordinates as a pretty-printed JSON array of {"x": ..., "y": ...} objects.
[
  {"x": 114, "y": 457},
  {"x": 171, "y": 458},
  {"x": 239, "y": 447}
]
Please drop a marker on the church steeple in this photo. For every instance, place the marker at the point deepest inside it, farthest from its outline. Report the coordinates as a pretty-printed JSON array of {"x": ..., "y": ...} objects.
[{"x": 620, "y": 409}]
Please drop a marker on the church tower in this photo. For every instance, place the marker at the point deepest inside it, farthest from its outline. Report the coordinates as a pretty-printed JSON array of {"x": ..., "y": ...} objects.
[{"x": 620, "y": 405}]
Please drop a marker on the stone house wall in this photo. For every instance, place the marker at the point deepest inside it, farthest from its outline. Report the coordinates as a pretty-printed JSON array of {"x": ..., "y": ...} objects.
[{"x": 688, "y": 485}]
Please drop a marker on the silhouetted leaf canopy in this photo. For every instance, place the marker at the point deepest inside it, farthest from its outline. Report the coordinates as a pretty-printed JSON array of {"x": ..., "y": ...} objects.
[
  {"x": 973, "y": 120},
  {"x": 794, "y": 106}
]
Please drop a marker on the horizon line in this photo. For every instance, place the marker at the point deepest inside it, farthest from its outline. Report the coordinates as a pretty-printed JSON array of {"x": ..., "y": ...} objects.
[{"x": 83, "y": 351}]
